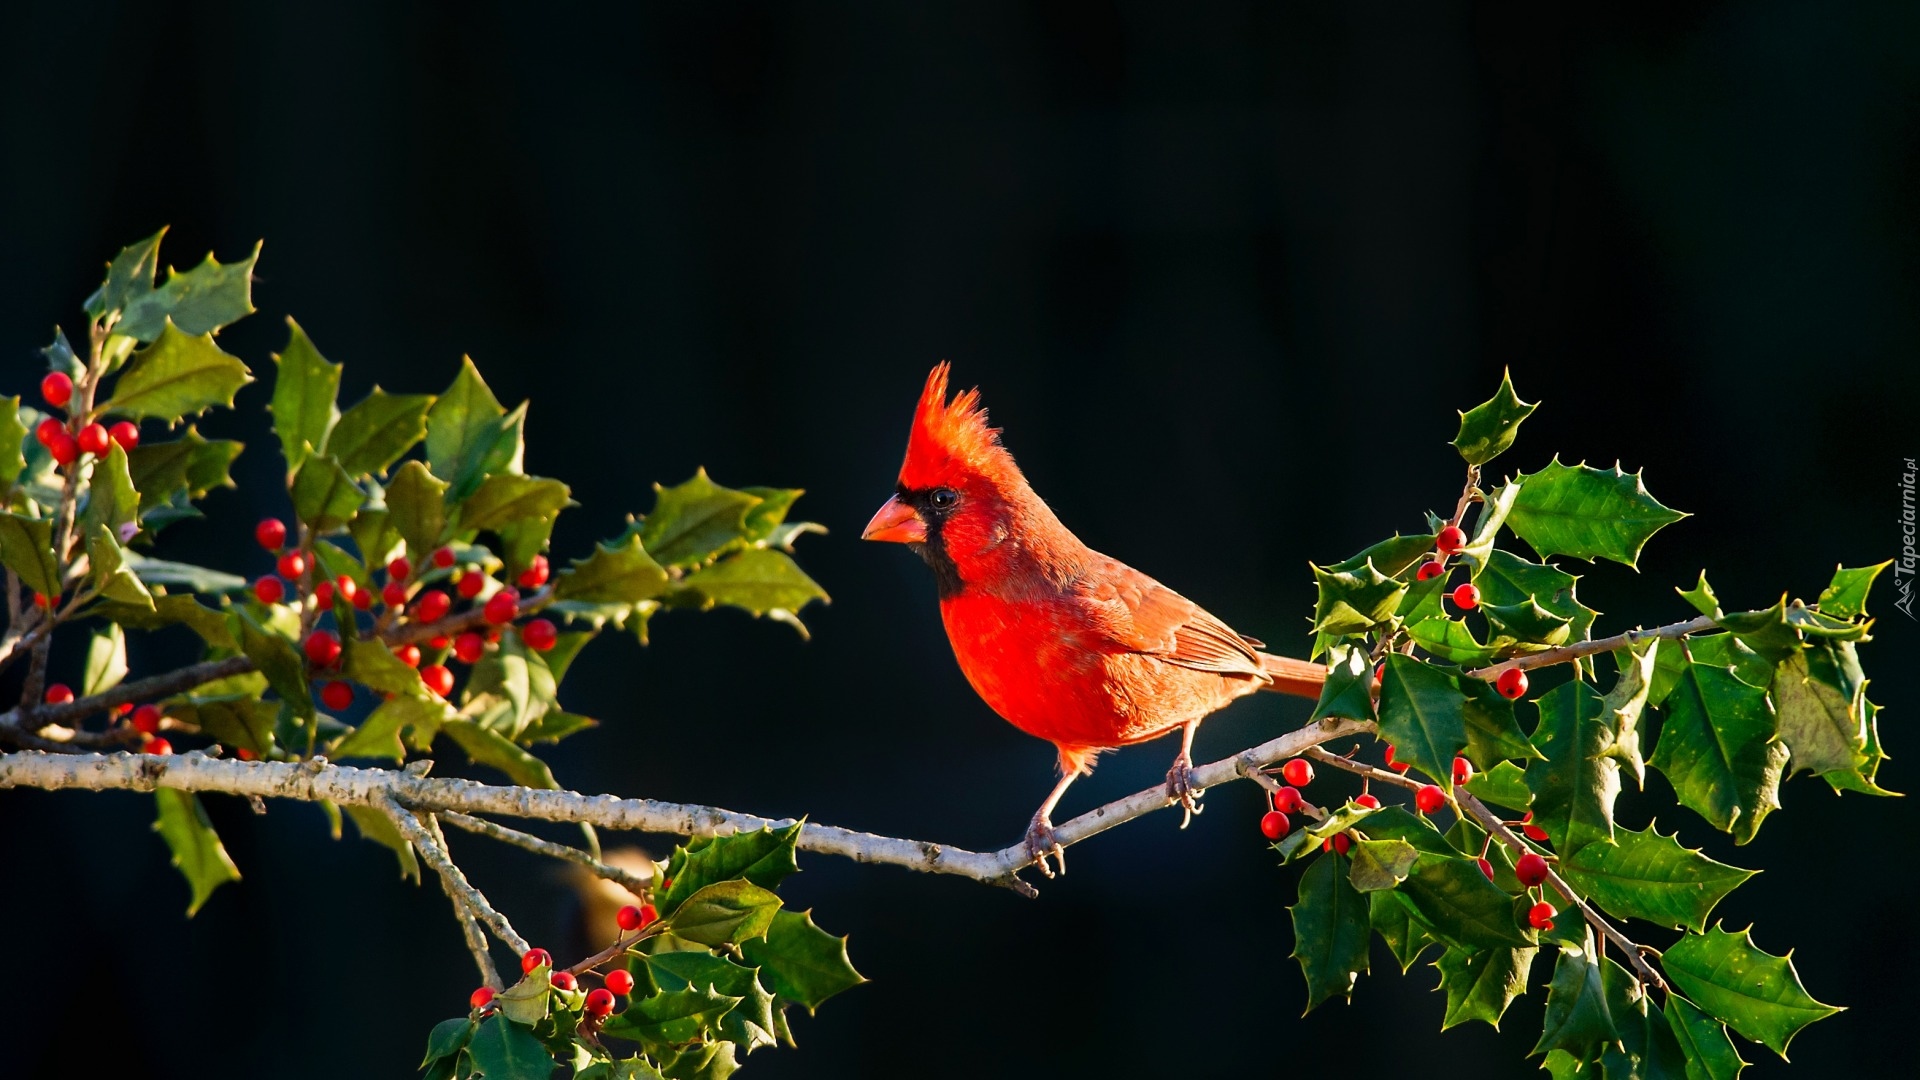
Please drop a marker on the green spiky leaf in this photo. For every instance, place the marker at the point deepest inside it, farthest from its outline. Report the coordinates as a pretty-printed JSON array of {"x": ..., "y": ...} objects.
[
  {"x": 1348, "y": 691},
  {"x": 1330, "y": 929},
  {"x": 1354, "y": 601},
  {"x": 1710, "y": 1053},
  {"x": 197, "y": 851},
  {"x": 324, "y": 494},
  {"x": 179, "y": 375},
  {"x": 470, "y": 435},
  {"x": 1587, "y": 513},
  {"x": 1574, "y": 785},
  {"x": 1481, "y": 983},
  {"x": 801, "y": 962},
  {"x": 1717, "y": 747},
  {"x": 1754, "y": 993},
  {"x": 303, "y": 406},
  {"x": 1578, "y": 1019},
  {"x": 1421, "y": 714},
  {"x": 724, "y": 913},
  {"x": 373, "y": 434},
  {"x": 1644, "y": 875},
  {"x": 1487, "y": 430},
  {"x": 26, "y": 547},
  {"x": 1845, "y": 596}
]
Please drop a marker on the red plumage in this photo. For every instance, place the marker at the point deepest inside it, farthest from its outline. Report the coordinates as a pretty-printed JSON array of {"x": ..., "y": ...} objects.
[{"x": 1065, "y": 643}]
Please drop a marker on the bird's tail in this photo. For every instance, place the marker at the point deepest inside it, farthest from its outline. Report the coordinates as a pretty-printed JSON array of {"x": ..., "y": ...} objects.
[{"x": 1300, "y": 678}]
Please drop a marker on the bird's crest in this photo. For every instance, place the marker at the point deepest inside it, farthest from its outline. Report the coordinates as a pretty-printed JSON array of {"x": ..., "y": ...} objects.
[{"x": 951, "y": 440}]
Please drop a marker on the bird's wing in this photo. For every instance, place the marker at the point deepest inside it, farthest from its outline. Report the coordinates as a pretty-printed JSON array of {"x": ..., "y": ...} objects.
[{"x": 1140, "y": 614}]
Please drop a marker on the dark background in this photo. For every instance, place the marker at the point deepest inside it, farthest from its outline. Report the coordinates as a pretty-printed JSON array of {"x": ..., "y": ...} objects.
[{"x": 1224, "y": 272}]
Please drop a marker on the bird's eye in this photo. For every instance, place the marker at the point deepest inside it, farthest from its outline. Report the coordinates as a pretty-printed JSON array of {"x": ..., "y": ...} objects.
[{"x": 943, "y": 498}]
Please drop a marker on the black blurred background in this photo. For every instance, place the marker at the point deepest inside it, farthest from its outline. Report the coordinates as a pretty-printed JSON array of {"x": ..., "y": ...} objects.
[{"x": 1224, "y": 271}]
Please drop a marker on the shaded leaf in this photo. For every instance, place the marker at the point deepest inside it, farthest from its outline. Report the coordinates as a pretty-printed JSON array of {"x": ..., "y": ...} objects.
[
  {"x": 189, "y": 466},
  {"x": 280, "y": 661},
  {"x": 801, "y": 962},
  {"x": 1647, "y": 1048},
  {"x": 26, "y": 547},
  {"x": 1503, "y": 785},
  {"x": 1710, "y": 1053},
  {"x": 1493, "y": 733},
  {"x": 416, "y": 509},
  {"x": 505, "y": 498},
  {"x": 1578, "y": 1020},
  {"x": 1508, "y": 579},
  {"x": 1756, "y": 994},
  {"x": 1354, "y": 601},
  {"x": 504, "y": 1050},
  {"x": 13, "y": 435},
  {"x": 183, "y": 575},
  {"x": 748, "y": 1024},
  {"x": 324, "y": 495},
  {"x": 183, "y": 610},
  {"x": 671, "y": 1017},
  {"x": 469, "y": 434},
  {"x": 199, "y": 301},
  {"x": 763, "y": 857},
  {"x": 111, "y": 498},
  {"x": 1330, "y": 929},
  {"x": 197, "y": 851},
  {"x": 1575, "y": 784},
  {"x": 1481, "y": 983},
  {"x": 1380, "y": 864},
  {"x": 1717, "y": 747},
  {"x": 1421, "y": 714},
  {"x": 1391, "y": 556},
  {"x": 1348, "y": 691},
  {"x": 129, "y": 276},
  {"x": 1394, "y": 920},
  {"x": 1622, "y": 706},
  {"x": 447, "y": 1038}
]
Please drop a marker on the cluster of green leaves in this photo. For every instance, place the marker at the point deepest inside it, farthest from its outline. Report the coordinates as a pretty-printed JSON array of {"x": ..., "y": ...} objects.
[
  {"x": 1729, "y": 710},
  {"x": 713, "y": 980}
]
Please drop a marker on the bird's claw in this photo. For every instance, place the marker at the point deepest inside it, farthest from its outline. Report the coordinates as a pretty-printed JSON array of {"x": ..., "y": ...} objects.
[
  {"x": 1043, "y": 845},
  {"x": 1180, "y": 789}
]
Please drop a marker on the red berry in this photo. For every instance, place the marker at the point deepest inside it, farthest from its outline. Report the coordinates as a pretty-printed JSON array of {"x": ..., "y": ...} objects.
[
  {"x": 628, "y": 917},
  {"x": 157, "y": 746},
  {"x": 270, "y": 533},
  {"x": 1287, "y": 800},
  {"x": 47, "y": 429},
  {"x": 1512, "y": 683},
  {"x": 443, "y": 558},
  {"x": 399, "y": 569},
  {"x": 322, "y": 648},
  {"x": 1486, "y": 867},
  {"x": 292, "y": 565},
  {"x": 470, "y": 584},
  {"x": 1379, "y": 673},
  {"x": 539, "y": 635},
  {"x": 57, "y": 388},
  {"x": 269, "y": 590},
  {"x": 146, "y": 720},
  {"x": 535, "y": 575},
  {"x": 437, "y": 642},
  {"x": 1430, "y": 570},
  {"x": 336, "y": 695},
  {"x": 648, "y": 913},
  {"x": 1449, "y": 540},
  {"x": 1396, "y": 766},
  {"x": 431, "y": 605},
  {"x": 40, "y": 600},
  {"x": 535, "y": 958},
  {"x": 395, "y": 594},
  {"x": 564, "y": 980},
  {"x": 1367, "y": 800},
  {"x": 363, "y": 599},
  {"x": 59, "y": 694},
  {"x": 480, "y": 998},
  {"x": 1429, "y": 798},
  {"x": 1541, "y": 915},
  {"x": 1467, "y": 596},
  {"x": 323, "y": 594},
  {"x": 64, "y": 448},
  {"x": 600, "y": 1002},
  {"x": 245, "y": 754},
  {"x": 1531, "y": 869},
  {"x": 1338, "y": 843},
  {"x": 126, "y": 434},
  {"x": 1274, "y": 825},
  {"x": 408, "y": 655},
  {"x": 502, "y": 607},
  {"x": 1462, "y": 770},
  {"x": 468, "y": 647},
  {"x": 1299, "y": 772},
  {"x": 1534, "y": 833},
  {"x": 620, "y": 981},
  {"x": 94, "y": 439},
  {"x": 346, "y": 587},
  {"x": 438, "y": 679}
]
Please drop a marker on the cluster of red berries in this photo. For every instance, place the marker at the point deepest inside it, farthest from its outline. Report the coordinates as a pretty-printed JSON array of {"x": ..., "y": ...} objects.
[
  {"x": 598, "y": 1003},
  {"x": 144, "y": 720},
  {"x": 64, "y": 444}
]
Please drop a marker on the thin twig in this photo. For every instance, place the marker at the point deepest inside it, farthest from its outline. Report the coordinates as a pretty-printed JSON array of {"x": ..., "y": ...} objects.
[
  {"x": 316, "y": 780},
  {"x": 621, "y": 943},
  {"x": 633, "y": 883},
  {"x": 435, "y": 853},
  {"x": 1598, "y": 645},
  {"x": 30, "y": 718}
]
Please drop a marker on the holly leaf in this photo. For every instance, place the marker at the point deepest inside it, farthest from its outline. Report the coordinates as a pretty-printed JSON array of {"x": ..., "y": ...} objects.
[
  {"x": 469, "y": 434},
  {"x": 1481, "y": 983},
  {"x": 111, "y": 498},
  {"x": 13, "y": 435},
  {"x": 378, "y": 736},
  {"x": 373, "y": 434},
  {"x": 1380, "y": 864},
  {"x": 1767, "y": 631},
  {"x": 1845, "y": 596},
  {"x": 1487, "y": 430},
  {"x": 1526, "y": 623},
  {"x": 234, "y": 720},
  {"x": 106, "y": 661},
  {"x": 1647, "y": 1048},
  {"x": 1578, "y": 1019},
  {"x": 280, "y": 661},
  {"x": 1754, "y": 993},
  {"x": 1817, "y": 694},
  {"x": 1312, "y": 833},
  {"x": 1624, "y": 703},
  {"x": 1862, "y": 778},
  {"x": 162, "y": 611},
  {"x": 197, "y": 851},
  {"x": 1330, "y": 929},
  {"x": 1574, "y": 785},
  {"x": 1450, "y": 640},
  {"x": 200, "y": 301},
  {"x": 618, "y": 572},
  {"x": 1493, "y": 734},
  {"x": 107, "y": 566},
  {"x": 1717, "y": 747},
  {"x": 762, "y": 581},
  {"x": 763, "y": 857},
  {"x": 1506, "y": 579},
  {"x": 182, "y": 575},
  {"x": 554, "y": 725},
  {"x": 1503, "y": 785},
  {"x": 1348, "y": 691},
  {"x": 1587, "y": 513},
  {"x": 129, "y": 276},
  {"x": 724, "y": 913},
  {"x": 505, "y": 498},
  {"x": 750, "y": 1023},
  {"x": 1644, "y": 875},
  {"x": 1391, "y": 556},
  {"x": 416, "y": 508},
  {"x": 324, "y": 494},
  {"x": 26, "y": 547},
  {"x": 696, "y": 520},
  {"x": 1393, "y": 919},
  {"x": 504, "y": 1050},
  {"x": 448, "y": 1038},
  {"x": 179, "y": 375},
  {"x": 799, "y": 961},
  {"x": 190, "y": 465},
  {"x": 1710, "y": 1053},
  {"x": 1354, "y": 601},
  {"x": 1421, "y": 714},
  {"x": 303, "y": 398},
  {"x": 670, "y": 1017},
  {"x": 487, "y": 747}
]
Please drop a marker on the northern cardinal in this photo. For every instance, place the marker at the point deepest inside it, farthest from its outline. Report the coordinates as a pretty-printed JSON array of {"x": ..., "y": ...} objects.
[{"x": 1065, "y": 643}]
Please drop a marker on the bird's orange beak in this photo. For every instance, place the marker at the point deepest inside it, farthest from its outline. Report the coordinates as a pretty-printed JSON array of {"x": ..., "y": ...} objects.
[{"x": 896, "y": 522}]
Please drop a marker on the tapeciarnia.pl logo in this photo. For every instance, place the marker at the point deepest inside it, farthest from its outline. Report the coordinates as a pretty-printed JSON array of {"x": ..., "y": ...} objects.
[{"x": 1903, "y": 567}]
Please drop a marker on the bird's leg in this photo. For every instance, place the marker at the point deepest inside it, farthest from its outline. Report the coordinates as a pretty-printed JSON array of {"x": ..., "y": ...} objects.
[
  {"x": 1042, "y": 844},
  {"x": 1180, "y": 787}
]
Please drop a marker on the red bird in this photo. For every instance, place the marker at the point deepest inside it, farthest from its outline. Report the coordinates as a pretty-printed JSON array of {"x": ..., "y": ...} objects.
[{"x": 1065, "y": 643}]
